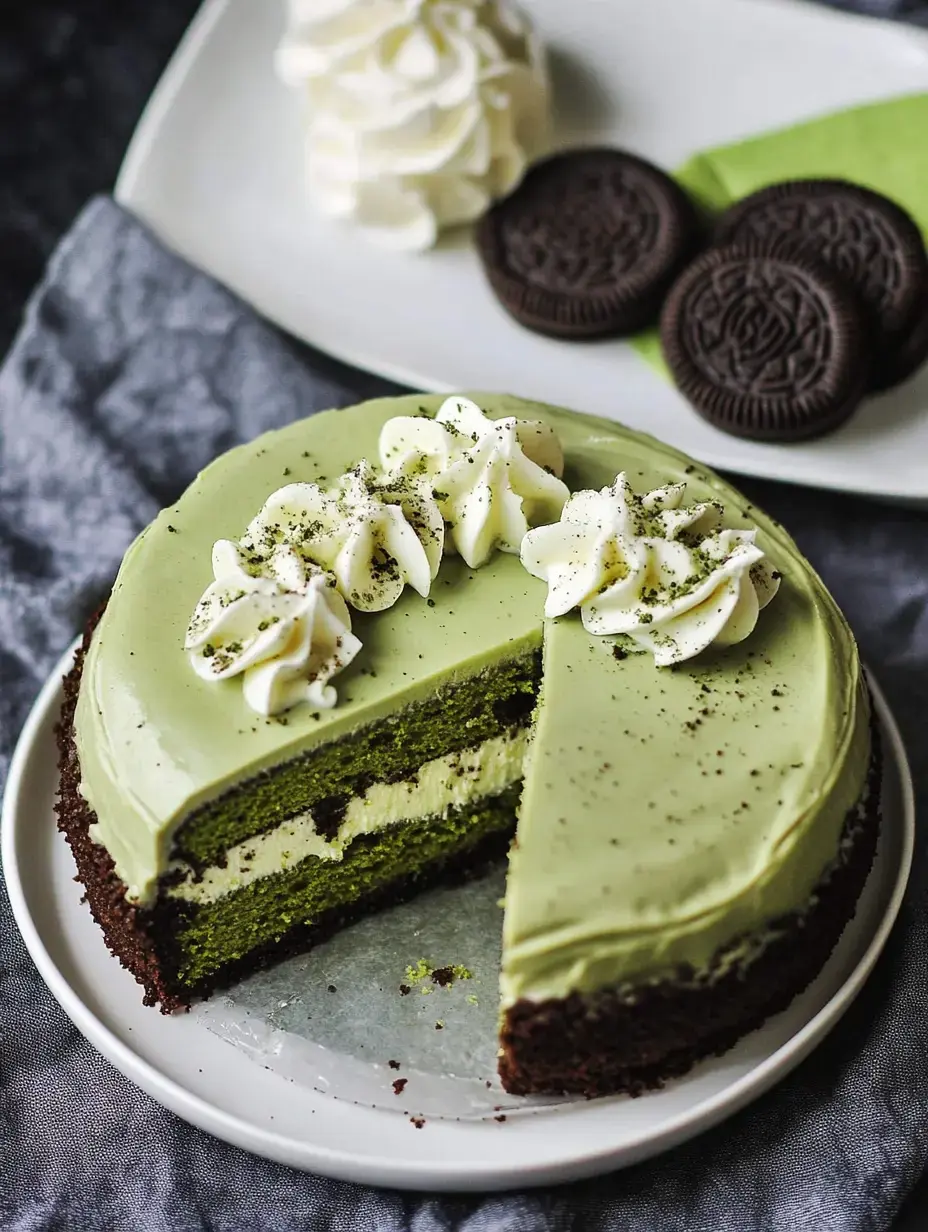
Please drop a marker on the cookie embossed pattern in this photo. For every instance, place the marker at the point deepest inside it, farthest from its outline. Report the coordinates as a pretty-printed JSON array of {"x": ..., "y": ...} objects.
[
  {"x": 588, "y": 245},
  {"x": 765, "y": 342},
  {"x": 872, "y": 243}
]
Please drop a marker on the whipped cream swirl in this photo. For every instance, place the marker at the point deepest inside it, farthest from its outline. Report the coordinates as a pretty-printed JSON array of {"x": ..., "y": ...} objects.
[
  {"x": 668, "y": 576},
  {"x": 276, "y": 621},
  {"x": 419, "y": 112},
  {"x": 492, "y": 478},
  {"x": 374, "y": 533}
]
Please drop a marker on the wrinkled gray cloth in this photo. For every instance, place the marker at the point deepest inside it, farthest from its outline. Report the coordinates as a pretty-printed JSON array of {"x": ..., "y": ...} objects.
[
  {"x": 914, "y": 11},
  {"x": 131, "y": 372}
]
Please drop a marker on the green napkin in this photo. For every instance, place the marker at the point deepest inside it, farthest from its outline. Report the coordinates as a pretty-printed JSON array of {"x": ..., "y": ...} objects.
[{"x": 883, "y": 146}]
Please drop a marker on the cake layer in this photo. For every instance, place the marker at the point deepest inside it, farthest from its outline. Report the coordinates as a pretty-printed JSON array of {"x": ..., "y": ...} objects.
[
  {"x": 436, "y": 789},
  {"x": 646, "y": 839},
  {"x": 326, "y": 779},
  {"x": 156, "y": 743},
  {"x": 201, "y": 942}
]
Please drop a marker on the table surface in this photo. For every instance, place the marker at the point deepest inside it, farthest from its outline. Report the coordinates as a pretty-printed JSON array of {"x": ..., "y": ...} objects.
[{"x": 73, "y": 81}]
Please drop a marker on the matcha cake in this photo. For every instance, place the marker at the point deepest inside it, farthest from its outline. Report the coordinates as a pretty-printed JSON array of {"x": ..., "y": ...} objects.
[{"x": 361, "y": 653}]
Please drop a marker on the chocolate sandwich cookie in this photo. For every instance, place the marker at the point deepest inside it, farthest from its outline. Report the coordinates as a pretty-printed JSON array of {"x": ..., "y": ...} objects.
[
  {"x": 766, "y": 342},
  {"x": 588, "y": 244},
  {"x": 868, "y": 239},
  {"x": 906, "y": 357}
]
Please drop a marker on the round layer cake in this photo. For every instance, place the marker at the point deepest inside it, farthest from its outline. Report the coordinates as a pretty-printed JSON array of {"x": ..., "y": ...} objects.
[{"x": 697, "y": 812}]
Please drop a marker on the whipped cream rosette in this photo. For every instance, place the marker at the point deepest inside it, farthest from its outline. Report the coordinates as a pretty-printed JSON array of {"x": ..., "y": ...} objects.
[
  {"x": 492, "y": 478},
  {"x": 668, "y": 576},
  {"x": 277, "y": 621},
  {"x": 376, "y": 534},
  {"x": 419, "y": 113}
]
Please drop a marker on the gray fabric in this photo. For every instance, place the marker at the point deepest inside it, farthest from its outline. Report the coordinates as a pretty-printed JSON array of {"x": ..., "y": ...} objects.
[
  {"x": 915, "y": 11},
  {"x": 131, "y": 371}
]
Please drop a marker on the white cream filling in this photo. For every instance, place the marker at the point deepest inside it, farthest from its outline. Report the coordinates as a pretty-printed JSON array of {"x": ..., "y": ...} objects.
[{"x": 437, "y": 787}]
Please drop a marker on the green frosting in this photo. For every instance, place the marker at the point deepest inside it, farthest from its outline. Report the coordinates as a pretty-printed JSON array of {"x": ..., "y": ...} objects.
[{"x": 665, "y": 811}]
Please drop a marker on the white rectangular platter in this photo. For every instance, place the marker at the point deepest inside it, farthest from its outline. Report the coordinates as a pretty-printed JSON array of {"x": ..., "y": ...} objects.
[{"x": 215, "y": 168}]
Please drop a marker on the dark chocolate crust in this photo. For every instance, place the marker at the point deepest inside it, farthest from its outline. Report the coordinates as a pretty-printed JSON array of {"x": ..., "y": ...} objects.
[
  {"x": 143, "y": 940},
  {"x": 605, "y": 1043}
]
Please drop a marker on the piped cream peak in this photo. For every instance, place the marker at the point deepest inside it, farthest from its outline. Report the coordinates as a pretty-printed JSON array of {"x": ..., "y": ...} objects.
[
  {"x": 668, "y": 576},
  {"x": 493, "y": 478}
]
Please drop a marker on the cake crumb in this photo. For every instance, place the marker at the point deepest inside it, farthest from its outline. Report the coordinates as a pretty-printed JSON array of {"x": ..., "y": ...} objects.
[
  {"x": 501, "y": 1117},
  {"x": 399, "y": 1085},
  {"x": 418, "y": 971},
  {"x": 445, "y": 976},
  {"x": 417, "y": 1121},
  {"x": 439, "y": 1026},
  {"x": 405, "y": 990},
  {"x": 394, "y": 1064},
  {"x": 332, "y": 988}
]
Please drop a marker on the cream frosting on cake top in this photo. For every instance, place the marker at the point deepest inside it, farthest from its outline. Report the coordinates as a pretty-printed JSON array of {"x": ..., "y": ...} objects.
[{"x": 666, "y": 810}]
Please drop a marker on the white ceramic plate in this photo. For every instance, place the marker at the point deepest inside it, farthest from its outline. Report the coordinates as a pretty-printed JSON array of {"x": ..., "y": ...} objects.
[
  {"x": 216, "y": 163},
  {"x": 219, "y": 1088}
]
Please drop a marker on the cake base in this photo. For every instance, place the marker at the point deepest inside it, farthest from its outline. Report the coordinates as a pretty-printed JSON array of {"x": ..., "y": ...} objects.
[{"x": 634, "y": 1039}]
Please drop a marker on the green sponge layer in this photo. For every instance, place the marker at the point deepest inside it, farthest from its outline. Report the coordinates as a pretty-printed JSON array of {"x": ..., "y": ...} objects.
[
  {"x": 210, "y": 937},
  {"x": 460, "y": 716}
]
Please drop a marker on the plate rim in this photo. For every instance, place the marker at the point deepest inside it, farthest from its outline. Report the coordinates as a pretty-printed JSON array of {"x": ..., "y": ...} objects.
[
  {"x": 774, "y": 465},
  {"x": 180, "y": 64},
  {"x": 449, "y": 1173}
]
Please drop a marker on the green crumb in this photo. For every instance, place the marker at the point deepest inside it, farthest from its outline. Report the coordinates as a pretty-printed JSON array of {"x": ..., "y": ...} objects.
[
  {"x": 472, "y": 999},
  {"x": 421, "y": 971}
]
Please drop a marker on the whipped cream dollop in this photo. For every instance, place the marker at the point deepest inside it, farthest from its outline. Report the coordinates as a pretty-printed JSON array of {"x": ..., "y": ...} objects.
[
  {"x": 375, "y": 533},
  {"x": 275, "y": 620},
  {"x": 492, "y": 479},
  {"x": 419, "y": 112},
  {"x": 669, "y": 576}
]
